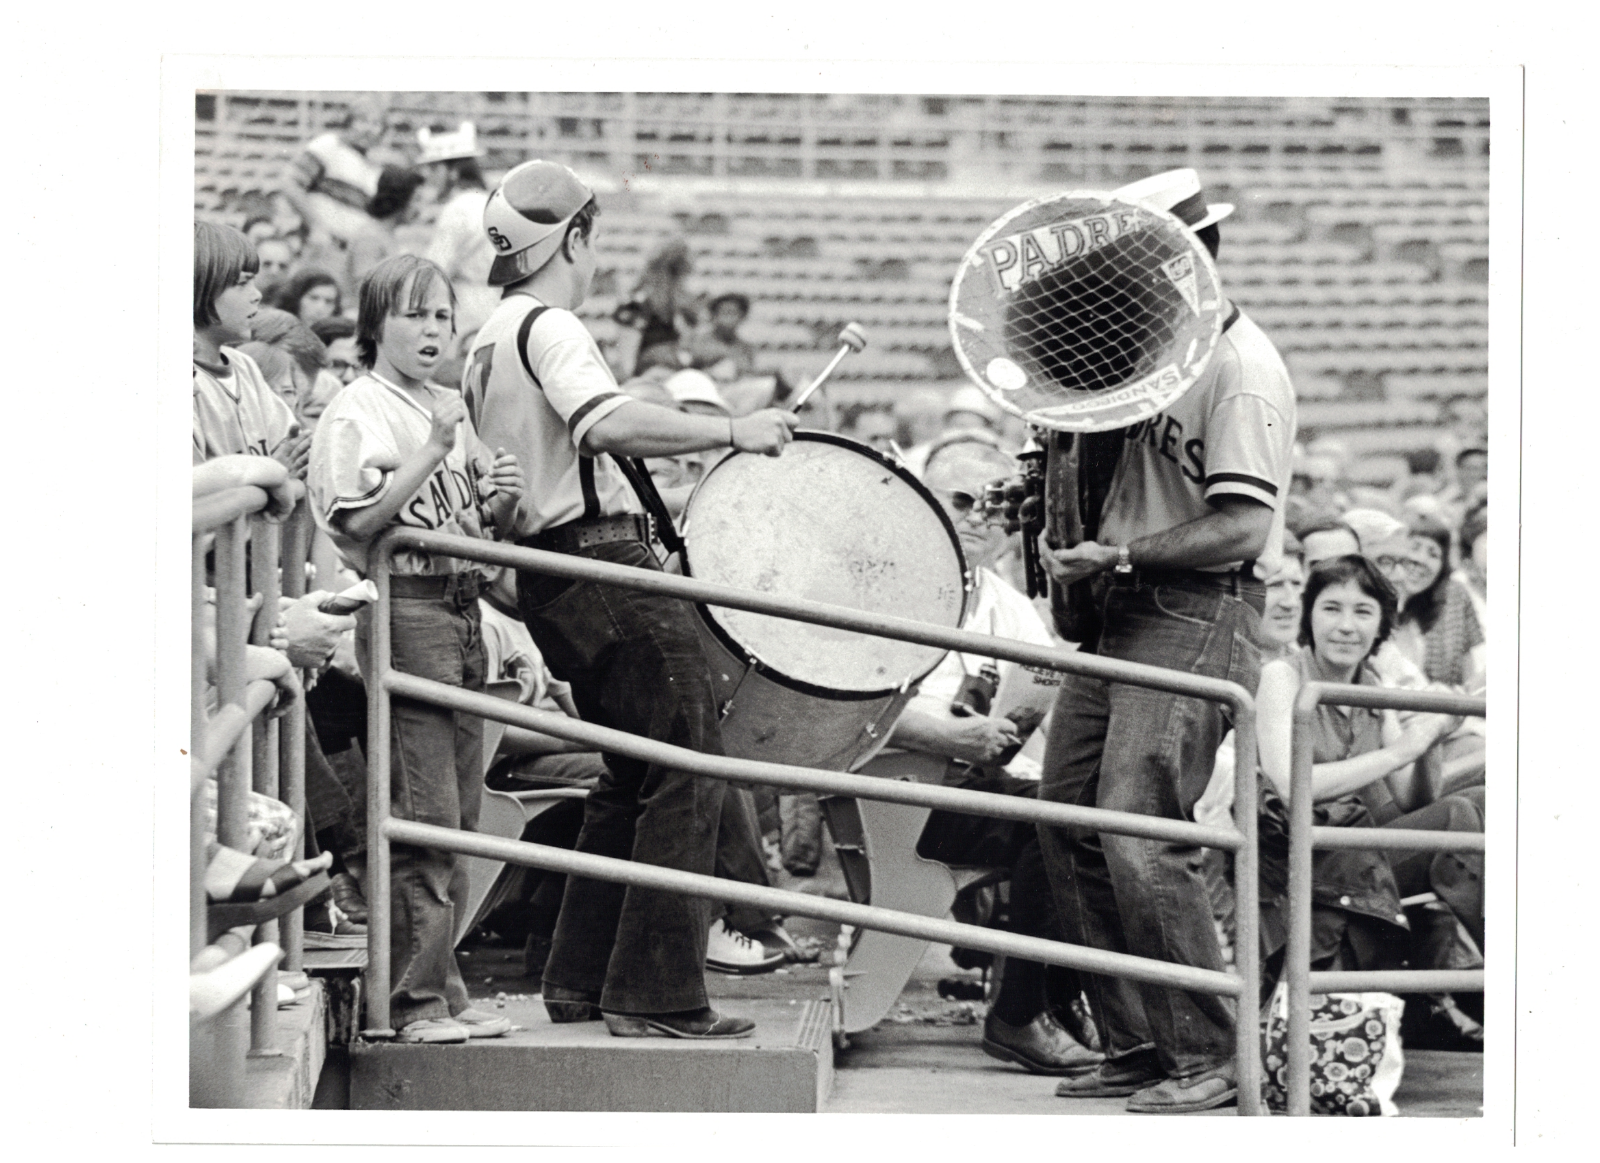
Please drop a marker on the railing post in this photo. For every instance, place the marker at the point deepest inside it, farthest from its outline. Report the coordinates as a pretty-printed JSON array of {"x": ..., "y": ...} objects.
[
  {"x": 378, "y": 741},
  {"x": 292, "y": 746},
  {"x": 264, "y": 773},
  {"x": 1297, "y": 954},
  {"x": 232, "y": 626},
  {"x": 197, "y": 732},
  {"x": 1247, "y": 909}
]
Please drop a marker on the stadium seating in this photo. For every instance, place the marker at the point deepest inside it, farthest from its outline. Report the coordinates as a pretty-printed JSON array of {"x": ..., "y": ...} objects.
[{"x": 1360, "y": 242}]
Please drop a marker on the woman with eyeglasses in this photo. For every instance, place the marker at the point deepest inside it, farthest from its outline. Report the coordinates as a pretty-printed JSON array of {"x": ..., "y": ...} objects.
[
  {"x": 1438, "y": 627},
  {"x": 1349, "y": 609}
]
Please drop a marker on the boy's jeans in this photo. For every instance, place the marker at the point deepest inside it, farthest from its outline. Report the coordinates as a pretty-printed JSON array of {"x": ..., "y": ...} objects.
[{"x": 436, "y": 777}]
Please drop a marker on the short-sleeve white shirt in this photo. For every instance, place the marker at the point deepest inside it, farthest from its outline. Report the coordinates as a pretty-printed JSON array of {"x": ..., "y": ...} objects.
[
  {"x": 368, "y": 430},
  {"x": 542, "y": 418},
  {"x": 235, "y": 411}
]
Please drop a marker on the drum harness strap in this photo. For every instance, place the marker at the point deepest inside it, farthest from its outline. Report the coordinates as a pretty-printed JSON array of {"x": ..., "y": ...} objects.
[{"x": 632, "y": 467}]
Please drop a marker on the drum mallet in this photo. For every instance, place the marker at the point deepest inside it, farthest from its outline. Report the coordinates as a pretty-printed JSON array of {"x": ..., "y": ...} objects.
[{"x": 852, "y": 338}]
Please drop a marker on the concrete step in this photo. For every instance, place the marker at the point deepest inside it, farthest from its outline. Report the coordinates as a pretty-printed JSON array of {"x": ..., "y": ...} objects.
[{"x": 786, "y": 1066}]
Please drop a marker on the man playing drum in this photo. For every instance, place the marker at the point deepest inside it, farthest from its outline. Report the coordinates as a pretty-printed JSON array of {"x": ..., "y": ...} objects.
[
  {"x": 536, "y": 383},
  {"x": 1192, "y": 523}
]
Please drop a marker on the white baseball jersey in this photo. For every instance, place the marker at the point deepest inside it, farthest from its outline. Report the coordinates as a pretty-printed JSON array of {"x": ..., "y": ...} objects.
[
  {"x": 1229, "y": 434},
  {"x": 235, "y": 411},
  {"x": 365, "y": 434},
  {"x": 535, "y": 384}
]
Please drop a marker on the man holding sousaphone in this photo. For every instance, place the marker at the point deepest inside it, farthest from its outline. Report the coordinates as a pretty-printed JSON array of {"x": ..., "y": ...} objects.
[
  {"x": 1170, "y": 420},
  {"x": 537, "y": 384}
]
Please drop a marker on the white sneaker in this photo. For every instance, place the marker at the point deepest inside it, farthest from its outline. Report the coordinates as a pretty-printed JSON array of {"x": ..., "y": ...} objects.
[{"x": 728, "y": 951}]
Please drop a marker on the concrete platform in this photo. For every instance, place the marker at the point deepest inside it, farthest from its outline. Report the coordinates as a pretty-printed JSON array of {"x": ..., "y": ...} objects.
[{"x": 786, "y": 1066}]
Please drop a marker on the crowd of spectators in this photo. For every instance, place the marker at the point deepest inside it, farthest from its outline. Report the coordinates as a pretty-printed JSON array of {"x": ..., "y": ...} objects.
[{"x": 1380, "y": 584}]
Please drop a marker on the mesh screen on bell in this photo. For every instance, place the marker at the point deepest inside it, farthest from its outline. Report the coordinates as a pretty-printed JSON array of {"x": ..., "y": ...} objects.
[{"x": 1085, "y": 313}]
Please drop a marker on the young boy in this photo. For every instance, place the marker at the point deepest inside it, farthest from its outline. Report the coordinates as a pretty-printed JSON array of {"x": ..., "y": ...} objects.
[
  {"x": 394, "y": 448},
  {"x": 235, "y": 411}
]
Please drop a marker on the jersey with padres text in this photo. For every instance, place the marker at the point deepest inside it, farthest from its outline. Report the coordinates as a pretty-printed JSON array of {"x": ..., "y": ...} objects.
[
  {"x": 235, "y": 412},
  {"x": 535, "y": 384},
  {"x": 368, "y": 429},
  {"x": 1229, "y": 434}
]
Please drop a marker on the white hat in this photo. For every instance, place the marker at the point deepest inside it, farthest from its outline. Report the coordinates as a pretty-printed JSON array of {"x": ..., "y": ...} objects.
[
  {"x": 695, "y": 387},
  {"x": 1177, "y": 192},
  {"x": 445, "y": 147},
  {"x": 526, "y": 217},
  {"x": 971, "y": 399}
]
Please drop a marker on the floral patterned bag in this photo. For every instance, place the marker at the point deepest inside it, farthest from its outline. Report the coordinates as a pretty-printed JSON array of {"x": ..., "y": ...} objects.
[{"x": 1355, "y": 1053}]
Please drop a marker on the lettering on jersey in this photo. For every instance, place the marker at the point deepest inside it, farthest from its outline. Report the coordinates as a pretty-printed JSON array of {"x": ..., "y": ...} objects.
[
  {"x": 436, "y": 504},
  {"x": 1164, "y": 434},
  {"x": 1021, "y": 258}
]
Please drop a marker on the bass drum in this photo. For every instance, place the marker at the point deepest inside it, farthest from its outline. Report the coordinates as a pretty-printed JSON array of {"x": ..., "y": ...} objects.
[{"x": 831, "y": 521}]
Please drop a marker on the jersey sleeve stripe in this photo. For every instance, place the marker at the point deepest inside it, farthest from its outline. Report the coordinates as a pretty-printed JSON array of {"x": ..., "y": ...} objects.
[
  {"x": 1239, "y": 478},
  {"x": 363, "y": 500},
  {"x": 589, "y": 406}
]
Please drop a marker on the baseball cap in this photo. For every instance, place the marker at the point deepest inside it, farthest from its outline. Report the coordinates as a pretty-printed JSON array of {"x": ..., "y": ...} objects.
[
  {"x": 1177, "y": 192},
  {"x": 527, "y": 215},
  {"x": 695, "y": 387},
  {"x": 444, "y": 147}
]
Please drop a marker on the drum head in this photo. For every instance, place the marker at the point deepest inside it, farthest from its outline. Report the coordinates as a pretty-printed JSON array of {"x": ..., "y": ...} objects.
[{"x": 828, "y": 521}]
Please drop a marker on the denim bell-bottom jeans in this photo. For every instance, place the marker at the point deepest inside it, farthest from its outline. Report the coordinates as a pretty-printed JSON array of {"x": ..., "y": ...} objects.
[
  {"x": 436, "y": 777},
  {"x": 635, "y": 664},
  {"x": 1130, "y": 749}
]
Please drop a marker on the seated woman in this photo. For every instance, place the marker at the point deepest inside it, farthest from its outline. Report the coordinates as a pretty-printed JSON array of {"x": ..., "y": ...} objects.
[{"x": 1357, "y": 921}]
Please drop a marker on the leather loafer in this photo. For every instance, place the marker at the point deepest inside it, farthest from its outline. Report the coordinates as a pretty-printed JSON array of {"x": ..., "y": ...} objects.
[
  {"x": 1043, "y": 1046},
  {"x": 1199, "y": 1092},
  {"x": 706, "y": 1024},
  {"x": 1117, "y": 1079},
  {"x": 571, "y": 1005}
]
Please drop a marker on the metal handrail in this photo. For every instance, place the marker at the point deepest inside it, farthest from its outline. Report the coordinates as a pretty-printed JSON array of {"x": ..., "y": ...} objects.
[
  {"x": 383, "y": 681},
  {"x": 244, "y": 752},
  {"x": 1304, "y": 837}
]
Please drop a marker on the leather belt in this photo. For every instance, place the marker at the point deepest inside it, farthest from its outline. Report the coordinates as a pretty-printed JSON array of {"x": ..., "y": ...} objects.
[
  {"x": 587, "y": 532},
  {"x": 1244, "y": 576},
  {"x": 462, "y": 586}
]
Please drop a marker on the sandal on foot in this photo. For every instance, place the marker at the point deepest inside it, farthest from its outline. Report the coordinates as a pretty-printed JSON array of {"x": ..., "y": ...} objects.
[
  {"x": 433, "y": 1030},
  {"x": 234, "y": 877},
  {"x": 704, "y": 1023},
  {"x": 483, "y": 1025}
]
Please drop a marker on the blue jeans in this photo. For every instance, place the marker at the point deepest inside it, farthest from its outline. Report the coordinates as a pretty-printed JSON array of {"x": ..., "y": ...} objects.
[
  {"x": 635, "y": 664},
  {"x": 436, "y": 777},
  {"x": 1130, "y": 749}
]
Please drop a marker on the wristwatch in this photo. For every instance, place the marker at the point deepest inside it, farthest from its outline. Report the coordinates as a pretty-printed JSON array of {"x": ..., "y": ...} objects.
[{"x": 1124, "y": 563}]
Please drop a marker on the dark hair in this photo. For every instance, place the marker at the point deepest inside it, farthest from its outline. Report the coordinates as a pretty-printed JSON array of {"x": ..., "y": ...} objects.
[
  {"x": 284, "y": 331},
  {"x": 221, "y": 255},
  {"x": 334, "y": 327},
  {"x": 1210, "y": 237},
  {"x": 582, "y": 225},
  {"x": 396, "y": 186},
  {"x": 255, "y": 218},
  {"x": 1426, "y": 606},
  {"x": 740, "y": 301},
  {"x": 301, "y": 285},
  {"x": 1471, "y": 450},
  {"x": 1473, "y": 526},
  {"x": 379, "y": 297},
  {"x": 1352, "y": 567}
]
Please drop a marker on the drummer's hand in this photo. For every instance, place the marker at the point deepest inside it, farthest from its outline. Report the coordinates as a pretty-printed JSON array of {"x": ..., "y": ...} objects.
[
  {"x": 979, "y": 739},
  {"x": 1085, "y": 559},
  {"x": 766, "y": 431}
]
